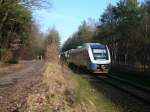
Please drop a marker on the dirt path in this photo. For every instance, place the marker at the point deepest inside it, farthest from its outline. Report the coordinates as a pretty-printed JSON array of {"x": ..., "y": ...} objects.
[{"x": 17, "y": 84}]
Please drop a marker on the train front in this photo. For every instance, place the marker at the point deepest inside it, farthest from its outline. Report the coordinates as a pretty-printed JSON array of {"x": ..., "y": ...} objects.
[{"x": 100, "y": 58}]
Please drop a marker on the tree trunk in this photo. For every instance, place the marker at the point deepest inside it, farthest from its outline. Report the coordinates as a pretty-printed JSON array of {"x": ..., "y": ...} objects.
[{"x": 3, "y": 21}]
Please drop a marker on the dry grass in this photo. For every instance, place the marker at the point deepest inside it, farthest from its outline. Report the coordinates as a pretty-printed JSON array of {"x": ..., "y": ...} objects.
[{"x": 60, "y": 95}]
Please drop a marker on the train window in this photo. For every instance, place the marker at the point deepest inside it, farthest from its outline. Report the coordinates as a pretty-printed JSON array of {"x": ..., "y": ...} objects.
[{"x": 100, "y": 54}]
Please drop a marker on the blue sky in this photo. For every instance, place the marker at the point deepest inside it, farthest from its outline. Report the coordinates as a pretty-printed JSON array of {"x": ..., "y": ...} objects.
[{"x": 67, "y": 15}]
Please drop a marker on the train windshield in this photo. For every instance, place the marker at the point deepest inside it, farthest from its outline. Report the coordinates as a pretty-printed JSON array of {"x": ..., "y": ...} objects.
[{"x": 100, "y": 53}]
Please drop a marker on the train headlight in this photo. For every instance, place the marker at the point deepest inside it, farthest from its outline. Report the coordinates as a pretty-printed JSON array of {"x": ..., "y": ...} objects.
[{"x": 93, "y": 66}]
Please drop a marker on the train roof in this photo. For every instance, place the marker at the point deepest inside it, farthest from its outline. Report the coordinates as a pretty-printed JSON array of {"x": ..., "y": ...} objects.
[
  {"x": 92, "y": 45},
  {"x": 95, "y": 45}
]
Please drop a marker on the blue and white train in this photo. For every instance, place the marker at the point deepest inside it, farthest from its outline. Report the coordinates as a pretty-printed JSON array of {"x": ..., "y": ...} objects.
[{"x": 94, "y": 56}]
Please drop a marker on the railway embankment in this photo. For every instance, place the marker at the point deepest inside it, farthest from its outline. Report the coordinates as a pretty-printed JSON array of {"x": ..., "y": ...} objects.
[{"x": 109, "y": 95}]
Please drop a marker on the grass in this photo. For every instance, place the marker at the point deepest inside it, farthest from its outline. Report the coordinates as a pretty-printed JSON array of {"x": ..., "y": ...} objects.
[
  {"x": 140, "y": 78},
  {"x": 85, "y": 92}
]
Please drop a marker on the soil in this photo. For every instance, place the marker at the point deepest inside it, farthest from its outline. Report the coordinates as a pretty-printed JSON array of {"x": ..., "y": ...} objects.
[{"x": 16, "y": 82}]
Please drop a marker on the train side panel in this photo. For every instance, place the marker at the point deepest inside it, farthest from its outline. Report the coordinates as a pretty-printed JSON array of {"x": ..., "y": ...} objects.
[
  {"x": 97, "y": 62},
  {"x": 79, "y": 57}
]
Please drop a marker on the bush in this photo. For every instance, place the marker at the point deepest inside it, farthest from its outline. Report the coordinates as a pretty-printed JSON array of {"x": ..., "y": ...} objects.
[
  {"x": 6, "y": 55},
  {"x": 12, "y": 61}
]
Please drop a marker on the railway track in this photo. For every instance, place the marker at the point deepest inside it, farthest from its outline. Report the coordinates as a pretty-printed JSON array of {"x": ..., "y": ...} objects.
[{"x": 138, "y": 92}]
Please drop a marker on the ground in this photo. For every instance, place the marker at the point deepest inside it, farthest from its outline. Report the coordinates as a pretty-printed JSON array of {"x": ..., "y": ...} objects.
[
  {"x": 36, "y": 86},
  {"x": 45, "y": 86},
  {"x": 16, "y": 82}
]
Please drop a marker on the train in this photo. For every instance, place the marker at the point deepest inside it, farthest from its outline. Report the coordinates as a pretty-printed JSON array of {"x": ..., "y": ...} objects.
[{"x": 94, "y": 56}]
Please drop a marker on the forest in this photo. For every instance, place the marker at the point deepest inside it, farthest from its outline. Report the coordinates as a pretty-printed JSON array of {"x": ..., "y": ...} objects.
[
  {"x": 124, "y": 28},
  {"x": 20, "y": 35}
]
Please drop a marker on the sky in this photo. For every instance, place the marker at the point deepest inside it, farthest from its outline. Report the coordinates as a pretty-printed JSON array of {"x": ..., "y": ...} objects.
[{"x": 66, "y": 15}]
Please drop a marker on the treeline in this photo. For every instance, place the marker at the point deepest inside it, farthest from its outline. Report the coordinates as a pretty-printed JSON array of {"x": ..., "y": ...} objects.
[
  {"x": 125, "y": 28},
  {"x": 20, "y": 36},
  {"x": 85, "y": 33}
]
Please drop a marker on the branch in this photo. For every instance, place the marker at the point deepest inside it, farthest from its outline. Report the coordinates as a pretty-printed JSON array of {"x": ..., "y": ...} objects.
[{"x": 36, "y": 3}]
